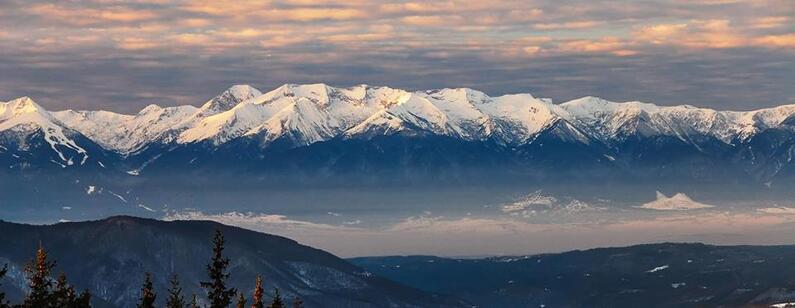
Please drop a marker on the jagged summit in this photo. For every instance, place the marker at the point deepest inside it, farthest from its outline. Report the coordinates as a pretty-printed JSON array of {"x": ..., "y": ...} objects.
[
  {"x": 300, "y": 115},
  {"x": 243, "y": 91},
  {"x": 19, "y": 107},
  {"x": 229, "y": 99},
  {"x": 309, "y": 113},
  {"x": 22, "y": 118}
]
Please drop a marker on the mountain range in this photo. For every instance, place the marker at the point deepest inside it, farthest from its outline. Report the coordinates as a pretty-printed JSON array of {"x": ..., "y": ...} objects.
[{"x": 364, "y": 134}]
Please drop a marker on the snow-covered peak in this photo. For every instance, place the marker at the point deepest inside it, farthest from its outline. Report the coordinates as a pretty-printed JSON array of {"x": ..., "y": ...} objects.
[
  {"x": 229, "y": 124},
  {"x": 154, "y": 113},
  {"x": 461, "y": 112},
  {"x": 594, "y": 107},
  {"x": 748, "y": 123},
  {"x": 24, "y": 116},
  {"x": 243, "y": 91},
  {"x": 149, "y": 109},
  {"x": 588, "y": 105},
  {"x": 22, "y": 110},
  {"x": 310, "y": 90},
  {"x": 768, "y": 117},
  {"x": 613, "y": 121},
  {"x": 229, "y": 99},
  {"x": 318, "y": 92},
  {"x": 458, "y": 94},
  {"x": 302, "y": 113},
  {"x": 20, "y": 106},
  {"x": 126, "y": 133},
  {"x": 308, "y": 113},
  {"x": 518, "y": 118}
]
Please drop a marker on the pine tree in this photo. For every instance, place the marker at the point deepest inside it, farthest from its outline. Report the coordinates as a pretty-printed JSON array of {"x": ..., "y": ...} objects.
[
  {"x": 64, "y": 294},
  {"x": 194, "y": 303},
  {"x": 277, "y": 299},
  {"x": 175, "y": 298},
  {"x": 241, "y": 300},
  {"x": 38, "y": 272},
  {"x": 298, "y": 303},
  {"x": 84, "y": 300},
  {"x": 258, "y": 292},
  {"x": 218, "y": 294},
  {"x": 3, "y": 302},
  {"x": 148, "y": 295}
]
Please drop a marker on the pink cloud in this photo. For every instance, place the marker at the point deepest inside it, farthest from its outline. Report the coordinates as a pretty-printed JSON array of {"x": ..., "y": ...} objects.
[{"x": 783, "y": 40}]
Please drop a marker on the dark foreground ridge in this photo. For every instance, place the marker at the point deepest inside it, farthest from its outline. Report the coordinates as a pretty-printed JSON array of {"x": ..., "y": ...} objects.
[
  {"x": 109, "y": 257},
  {"x": 655, "y": 275}
]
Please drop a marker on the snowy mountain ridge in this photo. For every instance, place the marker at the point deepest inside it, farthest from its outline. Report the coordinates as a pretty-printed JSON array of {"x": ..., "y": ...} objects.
[
  {"x": 302, "y": 115},
  {"x": 24, "y": 116}
]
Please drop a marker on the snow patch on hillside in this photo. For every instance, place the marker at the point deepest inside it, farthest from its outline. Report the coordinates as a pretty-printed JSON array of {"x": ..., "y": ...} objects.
[
  {"x": 657, "y": 269},
  {"x": 25, "y": 117}
]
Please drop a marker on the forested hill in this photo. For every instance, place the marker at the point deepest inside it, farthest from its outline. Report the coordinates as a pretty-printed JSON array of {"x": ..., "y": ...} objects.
[{"x": 110, "y": 256}]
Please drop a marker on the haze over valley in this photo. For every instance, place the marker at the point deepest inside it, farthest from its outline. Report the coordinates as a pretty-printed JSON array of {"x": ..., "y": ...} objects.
[{"x": 400, "y": 171}]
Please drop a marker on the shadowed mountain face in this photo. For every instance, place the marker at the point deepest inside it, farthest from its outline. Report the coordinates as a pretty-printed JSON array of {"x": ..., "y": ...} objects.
[
  {"x": 304, "y": 133},
  {"x": 659, "y": 275},
  {"x": 110, "y": 256},
  {"x": 364, "y": 138},
  {"x": 250, "y": 145}
]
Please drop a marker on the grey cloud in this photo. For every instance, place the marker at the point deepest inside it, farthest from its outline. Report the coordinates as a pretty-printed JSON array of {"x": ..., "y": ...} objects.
[{"x": 87, "y": 66}]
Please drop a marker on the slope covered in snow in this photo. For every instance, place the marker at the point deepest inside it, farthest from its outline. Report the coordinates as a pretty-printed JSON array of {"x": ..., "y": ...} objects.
[
  {"x": 305, "y": 114},
  {"x": 300, "y": 115},
  {"x": 125, "y": 133},
  {"x": 128, "y": 133},
  {"x": 611, "y": 121},
  {"x": 23, "y": 117}
]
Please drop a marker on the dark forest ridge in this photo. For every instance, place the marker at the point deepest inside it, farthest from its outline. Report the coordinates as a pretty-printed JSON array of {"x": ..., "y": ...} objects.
[
  {"x": 653, "y": 275},
  {"x": 109, "y": 258},
  {"x": 669, "y": 274}
]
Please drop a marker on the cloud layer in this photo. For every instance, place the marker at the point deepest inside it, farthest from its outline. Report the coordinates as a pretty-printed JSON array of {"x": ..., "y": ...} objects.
[
  {"x": 123, "y": 55},
  {"x": 451, "y": 236}
]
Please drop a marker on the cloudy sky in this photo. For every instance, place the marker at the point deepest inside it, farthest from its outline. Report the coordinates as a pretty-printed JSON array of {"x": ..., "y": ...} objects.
[{"x": 121, "y": 56}]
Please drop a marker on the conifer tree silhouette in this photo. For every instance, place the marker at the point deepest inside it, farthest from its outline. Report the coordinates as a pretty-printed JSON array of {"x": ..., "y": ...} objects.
[
  {"x": 241, "y": 300},
  {"x": 298, "y": 303},
  {"x": 38, "y": 272},
  {"x": 219, "y": 295},
  {"x": 258, "y": 293},
  {"x": 277, "y": 299},
  {"x": 175, "y": 298},
  {"x": 148, "y": 295},
  {"x": 3, "y": 302},
  {"x": 194, "y": 303},
  {"x": 64, "y": 295}
]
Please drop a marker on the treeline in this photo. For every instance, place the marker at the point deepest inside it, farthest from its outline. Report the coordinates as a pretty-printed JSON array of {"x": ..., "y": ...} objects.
[{"x": 44, "y": 292}]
